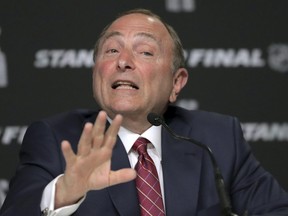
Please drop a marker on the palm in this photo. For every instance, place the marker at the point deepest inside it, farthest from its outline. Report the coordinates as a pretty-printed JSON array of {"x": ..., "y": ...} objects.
[{"x": 90, "y": 168}]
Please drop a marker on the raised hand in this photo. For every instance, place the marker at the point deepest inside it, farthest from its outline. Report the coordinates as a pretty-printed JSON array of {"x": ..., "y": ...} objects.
[{"x": 90, "y": 168}]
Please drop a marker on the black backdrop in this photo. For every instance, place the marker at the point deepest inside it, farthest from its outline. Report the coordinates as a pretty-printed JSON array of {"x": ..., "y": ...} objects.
[{"x": 237, "y": 56}]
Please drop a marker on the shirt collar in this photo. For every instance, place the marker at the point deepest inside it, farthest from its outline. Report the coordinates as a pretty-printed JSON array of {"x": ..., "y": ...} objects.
[{"x": 153, "y": 134}]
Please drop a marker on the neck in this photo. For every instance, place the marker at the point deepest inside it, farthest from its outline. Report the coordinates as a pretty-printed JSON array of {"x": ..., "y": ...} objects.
[
  {"x": 135, "y": 126},
  {"x": 137, "y": 123}
]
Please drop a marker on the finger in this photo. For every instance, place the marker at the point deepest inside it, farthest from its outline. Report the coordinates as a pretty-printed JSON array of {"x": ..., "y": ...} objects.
[
  {"x": 67, "y": 152},
  {"x": 84, "y": 145},
  {"x": 112, "y": 132},
  {"x": 121, "y": 176},
  {"x": 99, "y": 129}
]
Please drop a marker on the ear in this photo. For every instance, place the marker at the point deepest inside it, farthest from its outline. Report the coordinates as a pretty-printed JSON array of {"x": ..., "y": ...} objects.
[{"x": 180, "y": 79}]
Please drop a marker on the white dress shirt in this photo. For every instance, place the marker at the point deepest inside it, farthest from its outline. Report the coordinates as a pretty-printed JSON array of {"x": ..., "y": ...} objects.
[{"x": 153, "y": 134}]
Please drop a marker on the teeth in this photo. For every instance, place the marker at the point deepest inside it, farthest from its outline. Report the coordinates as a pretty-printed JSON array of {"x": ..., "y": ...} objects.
[{"x": 124, "y": 85}]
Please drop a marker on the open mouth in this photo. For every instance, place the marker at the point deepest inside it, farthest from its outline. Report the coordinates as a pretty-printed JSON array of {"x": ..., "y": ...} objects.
[{"x": 124, "y": 85}]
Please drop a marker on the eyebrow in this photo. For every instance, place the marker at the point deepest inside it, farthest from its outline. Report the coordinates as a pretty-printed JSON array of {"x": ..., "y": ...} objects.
[{"x": 110, "y": 34}]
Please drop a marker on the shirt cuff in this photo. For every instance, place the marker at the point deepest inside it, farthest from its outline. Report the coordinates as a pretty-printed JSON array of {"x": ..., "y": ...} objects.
[{"x": 48, "y": 198}]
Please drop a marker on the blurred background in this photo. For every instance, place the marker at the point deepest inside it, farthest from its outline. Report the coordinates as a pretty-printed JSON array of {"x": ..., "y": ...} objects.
[{"x": 236, "y": 54}]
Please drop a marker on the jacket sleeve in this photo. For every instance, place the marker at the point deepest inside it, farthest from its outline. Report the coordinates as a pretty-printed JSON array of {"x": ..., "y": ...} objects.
[
  {"x": 253, "y": 188},
  {"x": 39, "y": 163}
]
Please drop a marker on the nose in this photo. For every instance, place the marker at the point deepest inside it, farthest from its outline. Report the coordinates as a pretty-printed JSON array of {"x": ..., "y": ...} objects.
[{"x": 125, "y": 61}]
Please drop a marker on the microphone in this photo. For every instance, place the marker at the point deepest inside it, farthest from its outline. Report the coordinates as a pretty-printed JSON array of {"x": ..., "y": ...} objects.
[{"x": 157, "y": 120}]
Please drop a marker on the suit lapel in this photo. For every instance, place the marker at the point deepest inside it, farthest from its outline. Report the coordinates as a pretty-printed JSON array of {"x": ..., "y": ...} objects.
[
  {"x": 181, "y": 163},
  {"x": 124, "y": 196}
]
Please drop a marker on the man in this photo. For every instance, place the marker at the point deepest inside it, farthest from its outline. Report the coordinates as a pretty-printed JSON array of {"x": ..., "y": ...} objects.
[{"x": 139, "y": 68}]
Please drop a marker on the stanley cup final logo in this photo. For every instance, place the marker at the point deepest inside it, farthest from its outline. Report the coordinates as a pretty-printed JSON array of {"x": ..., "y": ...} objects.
[
  {"x": 177, "y": 6},
  {"x": 278, "y": 57},
  {"x": 3, "y": 68}
]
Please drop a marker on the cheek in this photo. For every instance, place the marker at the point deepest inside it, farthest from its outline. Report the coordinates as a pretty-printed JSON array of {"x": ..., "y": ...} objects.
[
  {"x": 98, "y": 82},
  {"x": 164, "y": 77},
  {"x": 101, "y": 72},
  {"x": 161, "y": 87},
  {"x": 102, "y": 69}
]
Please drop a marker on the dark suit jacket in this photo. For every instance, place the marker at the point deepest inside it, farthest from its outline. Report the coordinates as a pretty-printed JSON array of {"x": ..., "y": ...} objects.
[{"x": 188, "y": 175}]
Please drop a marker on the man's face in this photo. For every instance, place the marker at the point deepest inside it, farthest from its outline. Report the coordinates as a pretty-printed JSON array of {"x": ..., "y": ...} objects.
[{"x": 133, "y": 71}]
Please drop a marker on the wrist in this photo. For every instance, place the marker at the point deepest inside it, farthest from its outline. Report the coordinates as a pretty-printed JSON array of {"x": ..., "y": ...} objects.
[{"x": 64, "y": 195}]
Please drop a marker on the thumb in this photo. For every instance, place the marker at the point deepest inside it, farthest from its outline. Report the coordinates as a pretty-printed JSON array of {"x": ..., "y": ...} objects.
[{"x": 121, "y": 176}]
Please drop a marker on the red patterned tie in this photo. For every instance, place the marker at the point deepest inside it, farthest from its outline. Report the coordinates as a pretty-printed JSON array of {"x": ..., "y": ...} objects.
[{"x": 147, "y": 181}]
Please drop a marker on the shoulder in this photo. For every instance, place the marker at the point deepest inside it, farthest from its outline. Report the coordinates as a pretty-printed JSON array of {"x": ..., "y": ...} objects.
[
  {"x": 78, "y": 116},
  {"x": 66, "y": 123},
  {"x": 203, "y": 124},
  {"x": 58, "y": 127},
  {"x": 197, "y": 116}
]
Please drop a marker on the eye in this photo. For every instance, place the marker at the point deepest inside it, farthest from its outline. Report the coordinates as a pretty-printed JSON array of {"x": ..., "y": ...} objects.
[
  {"x": 147, "y": 53},
  {"x": 112, "y": 51}
]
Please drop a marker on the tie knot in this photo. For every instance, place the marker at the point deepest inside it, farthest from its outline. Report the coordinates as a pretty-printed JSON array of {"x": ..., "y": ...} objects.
[{"x": 140, "y": 145}]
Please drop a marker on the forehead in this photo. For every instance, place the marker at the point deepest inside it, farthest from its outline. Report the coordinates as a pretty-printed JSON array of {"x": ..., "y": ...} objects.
[{"x": 137, "y": 24}]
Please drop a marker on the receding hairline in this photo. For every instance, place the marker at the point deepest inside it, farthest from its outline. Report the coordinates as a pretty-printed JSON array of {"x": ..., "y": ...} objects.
[
  {"x": 106, "y": 33},
  {"x": 110, "y": 34},
  {"x": 176, "y": 42}
]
